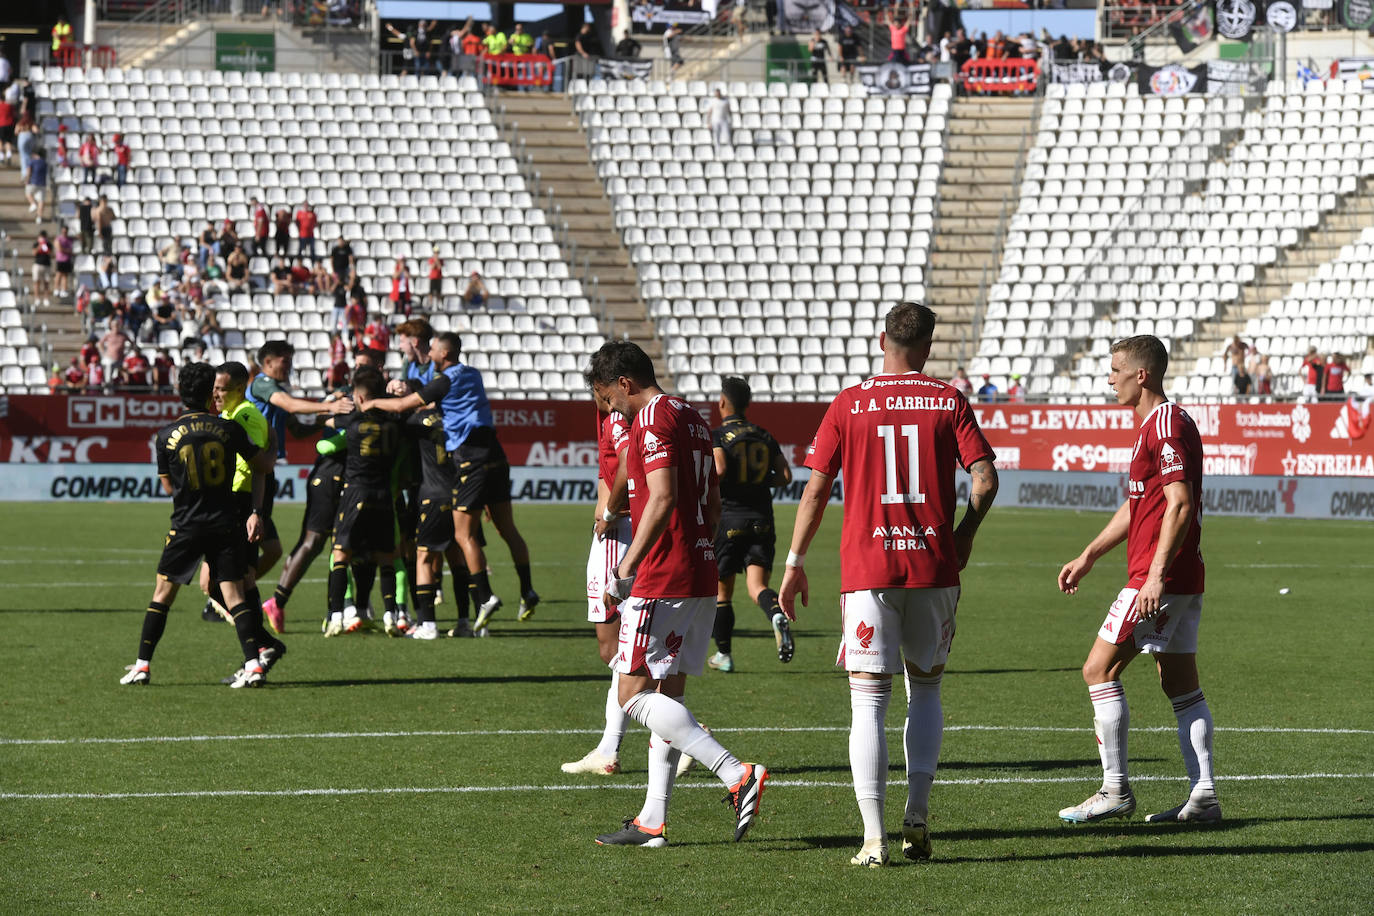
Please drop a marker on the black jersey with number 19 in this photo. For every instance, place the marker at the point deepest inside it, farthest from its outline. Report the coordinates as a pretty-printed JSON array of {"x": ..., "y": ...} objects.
[
  {"x": 196, "y": 454},
  {"x": 747, "y": 484}
]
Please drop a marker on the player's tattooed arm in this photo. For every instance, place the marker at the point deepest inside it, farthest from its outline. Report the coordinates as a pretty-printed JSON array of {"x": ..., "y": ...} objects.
[{"x": 982, "y": 492}]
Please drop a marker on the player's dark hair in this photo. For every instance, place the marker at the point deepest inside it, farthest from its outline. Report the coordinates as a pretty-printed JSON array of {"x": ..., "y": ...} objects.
[
  {"x": 620, "y": 359},
  {"x": 454, "y": 344},
  {"x": 417, "y": 328},
  {"x": 195, "y": 384},
  {"x": 736, "y": 391},
  {"x": 372, "y": 353},
  {"x": 237, "y": 372},
  {"x": 910, "y": 324},
  {"x": 369, "y": 380},
  {"x": 1147, "y": 352},
  {"x": 274, "y": 349}
]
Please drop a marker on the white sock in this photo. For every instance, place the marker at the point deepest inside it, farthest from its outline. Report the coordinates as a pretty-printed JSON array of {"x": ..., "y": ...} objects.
[
  {"x": 616, "y": 721},
  {"x": 868, "y": 749},
  {"x": 1111, "y": 720},
  {"x": 925, "y": 727},
  {"x": 666, "y": 716},
  {"x": 663, "y": 759},
  {"x": 1195, "y": 738}
]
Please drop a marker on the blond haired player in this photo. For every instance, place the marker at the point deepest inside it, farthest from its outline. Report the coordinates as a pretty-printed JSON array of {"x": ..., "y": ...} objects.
[
  {"x": 610, "y": 539},
  {"x": 896, "y": 437},
  {"x": 1159, "y": 609}
]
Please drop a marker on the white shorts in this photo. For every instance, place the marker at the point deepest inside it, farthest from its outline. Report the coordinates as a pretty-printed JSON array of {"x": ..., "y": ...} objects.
[
  {"x": 1173, "y": 629},
  {"x": 880, "y": 627},
  {"x": 604, "y": 557},
  {"x": 665, "y": 635}
]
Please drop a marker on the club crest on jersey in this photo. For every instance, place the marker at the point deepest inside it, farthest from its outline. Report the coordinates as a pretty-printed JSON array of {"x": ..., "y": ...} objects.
[
  {"x": 1170, "y": 461},
  {"x": 864, "y": 634},
  {"x": 653, "y": 448}
]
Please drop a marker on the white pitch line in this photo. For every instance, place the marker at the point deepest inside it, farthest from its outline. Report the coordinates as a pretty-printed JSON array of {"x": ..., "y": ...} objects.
[
  {"x": 515, "y": 732},
  {"x": 601, "y": 787}
]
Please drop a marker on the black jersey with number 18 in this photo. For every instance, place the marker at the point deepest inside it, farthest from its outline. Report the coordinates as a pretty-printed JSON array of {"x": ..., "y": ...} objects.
[{"x": 196, "y": 453}]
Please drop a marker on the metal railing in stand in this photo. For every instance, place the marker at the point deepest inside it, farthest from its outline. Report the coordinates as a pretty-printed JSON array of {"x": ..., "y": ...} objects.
[{"x": 155, "y": 24}]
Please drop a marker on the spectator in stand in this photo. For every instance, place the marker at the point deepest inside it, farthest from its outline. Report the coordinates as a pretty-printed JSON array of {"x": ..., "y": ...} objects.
[
  {"x": 281, "y": 278},
  {"x": 338, "y": 350},
  {"x": 85, "y": 222},
  {"x": 209, "y": 327},
  {"x": 494, "y": 42},
  {"x": 8, "y": 118},
  {"x": 471, "y": 43},
  {"x": 1314, "y": 372},
  {"x": 164, "y": 371},
  {"x": 89, "y": 156},
  {"x": 1063, "y": 50},
  {"x": 337, "y": 376},
  {"x": 341, "y": 260},
  {"x": 261, "y": 227},
  {"x": 167, "y": 315},
  {"x": 849, "y": 52},
  {"x": 340, "y": 309},
  {"x": 135, "y": 370},
  {"x": 1264, "y": 377},
  {"x": 237, "y": 265},
  {"x": 322, "y": 282},
  {"x": 435, "y": 272},
  {"x": 672, "y": 45},
  {"x": 995, "y": 49},
  {"x": 64, "y": 260},
  {"x": 282, "y": 238},
  {"x": 228, "y": 238},
  {"x": 26, "y": 139},
  {"x": 961, "y": 52},
  {"x": 42, "y": 267},
  {"x": 737, "y": 15},
  {"x": 988, "y": 391},
  {"x": 1337, "y": 371},
  {"x": 402, "y": 287},
  {"x": 1016, "y": 391},
  {"x": 544, "y": 44},
  {"x": 112, "y": 349},
  {"x": 1235, "y": 356},
  {"x": 586, "y": 44},
  {"x": 139, "y": 315},
  {"x": 74, "y": 379},
  {"x": 104, "y": 223},
  {"x": 720, "y": 120},
  {"x": 355, "y": 317},
  {"x": 475, "y": 294},
  {"x": 627, "y": 48},
  {"x": 95, "y": 376},
  {"x": 820, "y": 52},
  {"x": 377, "y": 335},
  {"x": 106, "y": 275},
  {"x": 36, "y": 190},
  {"x": 961, "y": 382},
  {"x": 89, "y": 351},
  {"x": 898, "y": 28},
  {"x": 306, "y": 221},
  {"x": 300, "y": 277},
  {"x": 122, "y": 156},
  {"x": 521, "y": 42},
  {"x": 170, "y": 256},
  {"x": 208, "y": 243}
]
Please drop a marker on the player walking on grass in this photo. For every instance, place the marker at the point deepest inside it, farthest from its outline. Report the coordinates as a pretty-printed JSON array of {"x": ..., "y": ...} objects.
[
  {"x": 195, "y": 462},
  {"x": 611, "y": 536},
  {"x": 365, "y": 532},
  {"x": 481, "y": 467},
  {"x": 1159, "y": 609},
  {"x": 749, "y": 463},
  {"x": 896, "y": 437},
  {"x": 664, "y": 588}
]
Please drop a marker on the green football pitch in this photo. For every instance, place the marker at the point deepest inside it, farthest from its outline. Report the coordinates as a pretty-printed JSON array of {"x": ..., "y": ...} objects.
[{"x": 381, "y": 775}]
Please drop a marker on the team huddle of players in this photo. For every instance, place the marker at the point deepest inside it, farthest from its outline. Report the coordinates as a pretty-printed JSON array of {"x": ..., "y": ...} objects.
[{"x": 681, "y": 511}]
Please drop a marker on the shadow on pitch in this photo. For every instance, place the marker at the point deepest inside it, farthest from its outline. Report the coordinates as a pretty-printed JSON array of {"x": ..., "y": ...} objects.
[
  {"x": 899, "y": 769},
  {"x": 599, "y": 678},
  {"x": 954, "y": 672}
]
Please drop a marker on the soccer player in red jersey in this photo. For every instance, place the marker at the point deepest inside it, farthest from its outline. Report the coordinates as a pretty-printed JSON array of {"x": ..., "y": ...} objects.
[
  {"x": 896, "y": 437},
  {"x": 610, "y": 539},
  {"x": 1159, "y": 609},
  {"x": 665, "y": 588}
]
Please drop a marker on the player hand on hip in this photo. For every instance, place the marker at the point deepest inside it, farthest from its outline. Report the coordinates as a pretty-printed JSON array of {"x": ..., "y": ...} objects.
[
  {"x": 1073, "y": 573},
  {"x": 793, "y": 584},
  {"x": 1148, "y": 598}
]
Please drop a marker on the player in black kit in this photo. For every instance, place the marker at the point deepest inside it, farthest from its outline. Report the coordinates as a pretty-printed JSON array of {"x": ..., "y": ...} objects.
[
  {"x": 195, "y": 461},
  {"x": 433, "y": 515},
  {"x": 750, "y": 464},
  {"x": 366, "y": 526}
]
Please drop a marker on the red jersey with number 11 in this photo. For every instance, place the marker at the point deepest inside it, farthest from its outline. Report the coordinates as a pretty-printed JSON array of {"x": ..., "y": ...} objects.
[
  {"x": 897, "y": 438},
  {"x": 667, "y": 433},
  {"x": 1168, "y": 450}
]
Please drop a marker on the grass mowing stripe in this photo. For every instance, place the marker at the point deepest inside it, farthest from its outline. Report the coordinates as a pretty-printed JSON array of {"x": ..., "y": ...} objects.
[
  {"x": 601, "y": 787},
  {"x": 500, "y": 732}
]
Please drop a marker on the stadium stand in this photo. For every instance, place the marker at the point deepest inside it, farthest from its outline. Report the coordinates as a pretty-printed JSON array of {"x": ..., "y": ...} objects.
[
  {"x": 396, "y": 166},
  {"x": 772, "y": 256},
  {"x": 1149, "y": 215}
]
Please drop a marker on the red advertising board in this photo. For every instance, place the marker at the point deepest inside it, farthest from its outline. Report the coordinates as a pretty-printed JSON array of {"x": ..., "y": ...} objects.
[{"x": 1282, "y": 440}]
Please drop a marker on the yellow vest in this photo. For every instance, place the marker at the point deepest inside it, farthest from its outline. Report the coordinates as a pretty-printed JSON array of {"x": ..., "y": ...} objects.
[
  {"x": 61, "y": 34},
  {"x": 255, "y": 425}
]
